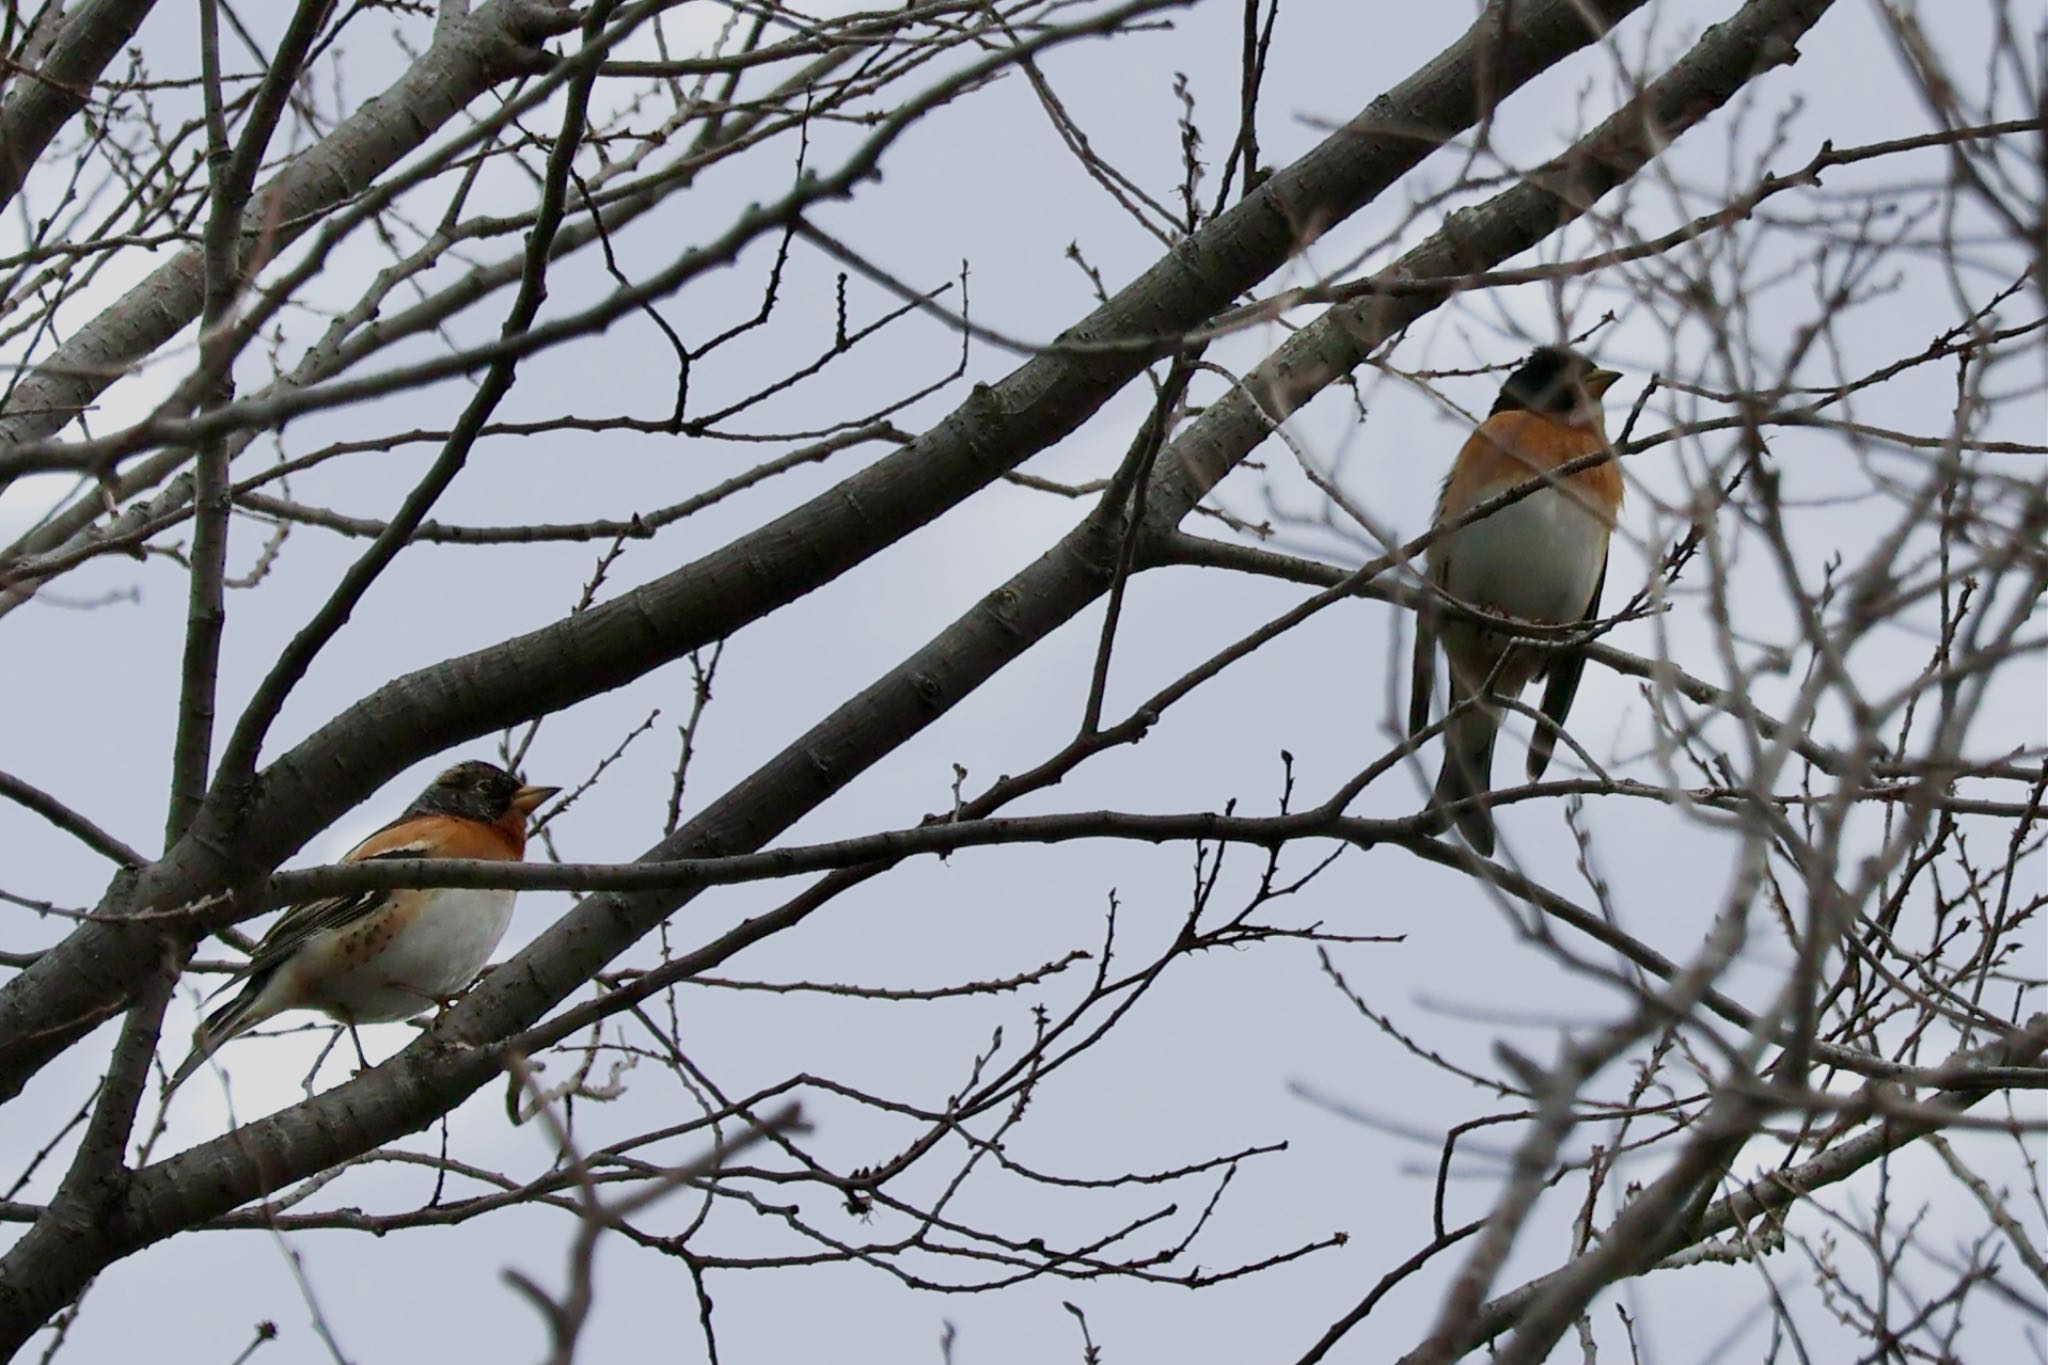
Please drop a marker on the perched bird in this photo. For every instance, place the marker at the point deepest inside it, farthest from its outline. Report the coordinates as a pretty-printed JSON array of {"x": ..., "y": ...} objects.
[
  {"x": 376, "y": 956},
  {"x": 1542, "y": 560}
]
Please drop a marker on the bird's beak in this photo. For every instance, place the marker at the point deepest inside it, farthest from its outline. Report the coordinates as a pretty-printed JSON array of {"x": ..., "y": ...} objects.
[
  {"x": 527, "y": 798},
  {"x": 1600, "y": 381}
]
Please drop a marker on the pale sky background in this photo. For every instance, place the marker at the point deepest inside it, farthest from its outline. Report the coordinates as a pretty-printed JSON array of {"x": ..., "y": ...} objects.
[{"x": 1207, "y": 1063}]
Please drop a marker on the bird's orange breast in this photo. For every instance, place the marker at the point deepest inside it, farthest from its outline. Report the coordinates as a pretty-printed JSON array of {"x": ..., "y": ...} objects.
[{"x": 1510, "y": 448}]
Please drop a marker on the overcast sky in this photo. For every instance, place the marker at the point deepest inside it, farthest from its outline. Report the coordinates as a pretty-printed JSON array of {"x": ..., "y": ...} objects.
[{"x": 1217, "y": 1058}]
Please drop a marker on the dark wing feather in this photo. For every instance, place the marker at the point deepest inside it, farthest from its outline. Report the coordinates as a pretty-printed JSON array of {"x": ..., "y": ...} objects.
[
  {"x": 1562, "y": 686},
  {"x": 1422, "y": 674}
]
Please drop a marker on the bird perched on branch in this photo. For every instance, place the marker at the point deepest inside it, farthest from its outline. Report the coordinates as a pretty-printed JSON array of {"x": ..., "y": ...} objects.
[
  {"x": 1540, "y": 560},
  {"x": 377, "y": 956}
]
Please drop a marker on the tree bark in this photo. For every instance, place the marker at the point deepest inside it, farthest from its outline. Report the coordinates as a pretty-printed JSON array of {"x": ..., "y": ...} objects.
[{"x": 43, "y": 101}]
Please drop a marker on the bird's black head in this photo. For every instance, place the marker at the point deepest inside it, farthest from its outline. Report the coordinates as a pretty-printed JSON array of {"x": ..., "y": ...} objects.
[
  {"x": 476, "y": 790},
  {"x": 1557, "y": 381}
]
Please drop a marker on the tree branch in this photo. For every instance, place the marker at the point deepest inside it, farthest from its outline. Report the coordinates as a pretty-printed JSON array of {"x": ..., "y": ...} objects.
[{"x": 70, "y": 821}]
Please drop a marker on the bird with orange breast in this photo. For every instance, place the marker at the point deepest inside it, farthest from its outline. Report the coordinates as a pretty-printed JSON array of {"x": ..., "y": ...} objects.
[
  {"x": 378, "y": 956},
  {"x": 1540, "y": 560}
]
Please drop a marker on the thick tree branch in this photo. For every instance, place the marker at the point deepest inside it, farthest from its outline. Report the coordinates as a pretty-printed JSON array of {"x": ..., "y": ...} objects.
[{"x": 39, "y": 104}]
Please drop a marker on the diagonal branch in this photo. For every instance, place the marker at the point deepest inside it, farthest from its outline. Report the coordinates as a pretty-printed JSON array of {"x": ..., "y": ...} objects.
[
  {"x": 42, "y": 102},
  {"x": 70, "y": 821}
]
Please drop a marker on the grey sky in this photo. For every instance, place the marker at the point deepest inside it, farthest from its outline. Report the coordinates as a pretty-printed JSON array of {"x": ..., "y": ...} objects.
[{"x": 1202, "y": 1067}]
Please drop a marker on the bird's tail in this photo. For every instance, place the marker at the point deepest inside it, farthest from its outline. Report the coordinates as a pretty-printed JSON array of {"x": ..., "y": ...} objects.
[
  {"x": 1467, "y": 775},
  {"x": 230, "y": 1021}
]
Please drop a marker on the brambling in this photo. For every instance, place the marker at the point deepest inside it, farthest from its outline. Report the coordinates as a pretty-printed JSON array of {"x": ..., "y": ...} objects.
[
  {"x": 378, "y": 956},
  {"x": 1542, "y": 560}
]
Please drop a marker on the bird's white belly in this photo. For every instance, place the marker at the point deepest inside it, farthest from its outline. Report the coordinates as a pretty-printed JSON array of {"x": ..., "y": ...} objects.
[
  {"x": 1537, "y": 560},
  {"x": 427, "y": 961}
]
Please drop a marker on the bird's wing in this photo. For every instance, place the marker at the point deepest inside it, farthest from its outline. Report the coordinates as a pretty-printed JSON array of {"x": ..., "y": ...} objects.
[
  {"x": 304, "y": 921},
  {"x": 1422, "y": 674},
  {"x": 409, "y": 836},
  {"x": 1562, "y": 686}
]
